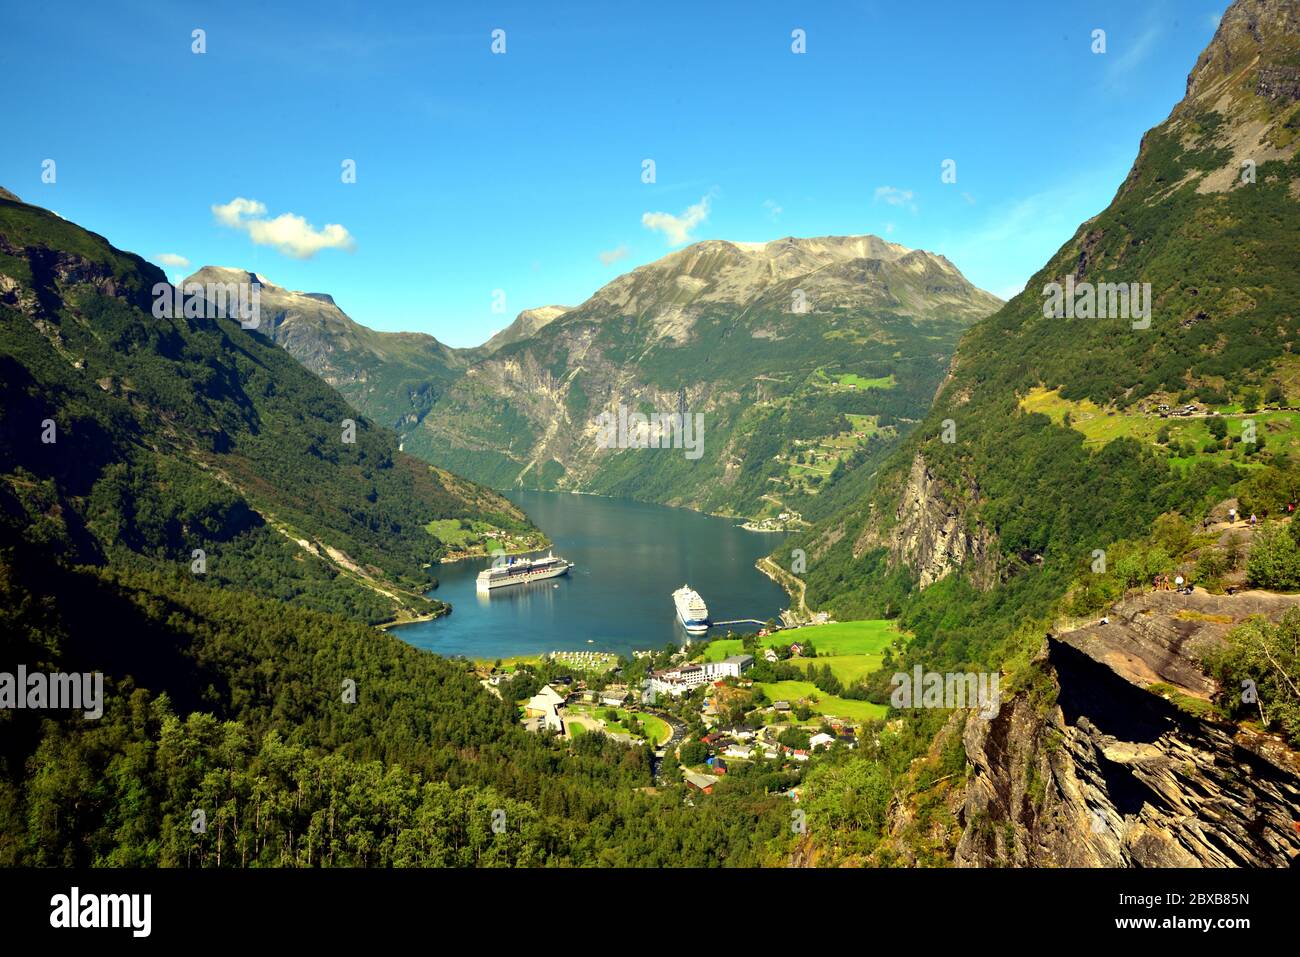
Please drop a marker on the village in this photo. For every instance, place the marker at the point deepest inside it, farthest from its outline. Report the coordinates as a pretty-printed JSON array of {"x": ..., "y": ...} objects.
[{"x": 705, "y": 710}]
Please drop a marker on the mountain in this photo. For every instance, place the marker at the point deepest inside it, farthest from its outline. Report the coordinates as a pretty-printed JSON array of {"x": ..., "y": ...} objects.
[
  {"x": 1037, "y": 403},
  {"x": 803, "y": 356},
  {"x": 139, "y": 439},
  {"x": 526, "y": 324},
  {"x": 393, "y": 377},
  {"x": 1074, "y": 454},
  {"x": 181, "y": 516}
]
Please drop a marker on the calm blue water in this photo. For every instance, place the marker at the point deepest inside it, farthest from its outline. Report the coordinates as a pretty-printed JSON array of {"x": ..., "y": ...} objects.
[{"x": 630, "y": 558}]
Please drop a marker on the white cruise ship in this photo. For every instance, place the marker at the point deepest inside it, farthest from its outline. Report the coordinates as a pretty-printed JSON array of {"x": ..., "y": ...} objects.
[
  {"x": 691, "y": 610},
  {"x": 517, "y": 571}
]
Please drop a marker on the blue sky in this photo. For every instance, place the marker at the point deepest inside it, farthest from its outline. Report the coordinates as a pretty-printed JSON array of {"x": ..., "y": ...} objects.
[{"x": 522, "y": 171}]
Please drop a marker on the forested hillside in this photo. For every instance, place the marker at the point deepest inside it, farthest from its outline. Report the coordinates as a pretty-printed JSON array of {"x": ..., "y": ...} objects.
[
  {"x": 990, "y": 490},
  {"x": 1055, "y": 447},
  {"x": 131, "y": 438},
  {"x": 223, "y": 702}
]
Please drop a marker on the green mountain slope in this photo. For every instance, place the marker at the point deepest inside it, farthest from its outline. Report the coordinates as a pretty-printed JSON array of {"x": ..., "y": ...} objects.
[
  {"x": 221, "y": 701},
  {"x": 809, "y": 358},
  {"x": 805, "y": 357},
  {"x": 1017, "y": 488},
  {"x": 129, "y": 438},
  {"x": 392, "y": 377},
  {"x": 1025, "y": 505}
]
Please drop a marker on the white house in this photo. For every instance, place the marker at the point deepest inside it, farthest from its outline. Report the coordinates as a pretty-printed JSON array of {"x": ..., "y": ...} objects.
[{"x": 821, "y": 740}]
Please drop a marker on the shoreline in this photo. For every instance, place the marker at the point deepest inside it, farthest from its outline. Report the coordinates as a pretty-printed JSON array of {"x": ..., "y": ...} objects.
[
  {"x": 434, "y": 616},
  {"x": 465, "y": 557},
  {"x": 744, "y": 520},
  {"x": 779, "y": 575}
]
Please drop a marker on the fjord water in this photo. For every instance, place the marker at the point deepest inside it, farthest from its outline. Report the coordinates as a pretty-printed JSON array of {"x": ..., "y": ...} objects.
[{"x": 629, "y": 559}]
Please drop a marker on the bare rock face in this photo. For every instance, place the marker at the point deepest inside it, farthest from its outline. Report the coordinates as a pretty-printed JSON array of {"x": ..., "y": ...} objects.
[
  {"x": 57, "y": 269},
  {"x": 930, "y": 535},
  {"x": 1248, "y": 77},
  {"x": 743, "y": 334},
  {"x": 1158, "y": 636},
  {"x": 1248, "y": 31},
  {"x": 1112, "y": 775},
  {"x": 527, "y": 323}
]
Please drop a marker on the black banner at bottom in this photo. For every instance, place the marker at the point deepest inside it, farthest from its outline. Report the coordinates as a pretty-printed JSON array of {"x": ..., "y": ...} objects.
[{"x": 330, "y": 907}]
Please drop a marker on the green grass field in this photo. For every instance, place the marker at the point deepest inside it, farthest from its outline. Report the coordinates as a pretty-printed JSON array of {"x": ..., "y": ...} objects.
[
  {"x": 510, "y": 664},
  {"x": 793, "y": 691},
  {"x": 868, "y": 425},
  {"x": 454, "y": 531},
  {"x": 849, "y": 378},
  {"x": 655, "y": 728},
  {"x": 853, "y": 649},
  {"x": 847, "y": 668},
  {"x": 842, "y": 380},
  {"x": 845, "y": 638},
  {"x": 1281, "y": 430},
  {"x": 868, "y": 637}
]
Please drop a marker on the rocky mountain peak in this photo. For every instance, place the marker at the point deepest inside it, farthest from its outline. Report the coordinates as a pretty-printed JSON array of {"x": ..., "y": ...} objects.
[
  {"x": 838, "y": 271},
  {"x": 526, "y": 324},
  {"x": 1251, "y": 33}
]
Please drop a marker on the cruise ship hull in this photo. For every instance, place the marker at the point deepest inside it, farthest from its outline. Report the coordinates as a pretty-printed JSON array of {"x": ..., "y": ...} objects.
[
  {"x": 523, "y": 578},
  {"x": 692, "y": 626}
]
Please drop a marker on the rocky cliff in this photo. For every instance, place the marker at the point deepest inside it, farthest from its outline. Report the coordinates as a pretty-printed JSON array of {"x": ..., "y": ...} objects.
[
  {"x": 800, "y": 354},
  {"x": 1207, "y": 218},
  {"x": 1108, "y": 762},
  {"x": 933, "y": 532},
  {"x": 394, "y": 377}
]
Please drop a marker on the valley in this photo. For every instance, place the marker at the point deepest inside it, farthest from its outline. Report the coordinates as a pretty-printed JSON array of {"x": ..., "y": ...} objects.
[
  {"x": 715, "y": 330},
  {"x": 1070, "y": 538}
]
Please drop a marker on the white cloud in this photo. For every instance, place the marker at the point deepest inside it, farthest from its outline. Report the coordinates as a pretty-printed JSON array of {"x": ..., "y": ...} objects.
[
  {"x": 774, "y": 209},
  {"x": 1010, "y": 292},
  {"x": 895, "y": 197},
  {"x": 289, "y": 233},
  {"x": 172, "y": 259},
  {"x": 230, "y": 213},
  {"x": 889, "y": 229},
  {"x": 1214, "y": 19},
  {"x": 677, "y": 229},
  {"x": 610, "y": 256},
  {"x": 969, "y": 198}
]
